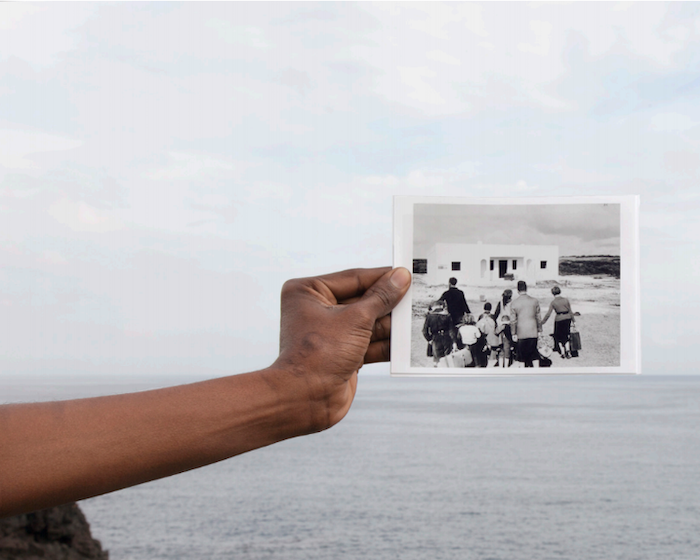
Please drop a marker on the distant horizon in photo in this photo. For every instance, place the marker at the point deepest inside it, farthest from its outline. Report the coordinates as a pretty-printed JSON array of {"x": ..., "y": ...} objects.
[{"x": 578, "y": 229}]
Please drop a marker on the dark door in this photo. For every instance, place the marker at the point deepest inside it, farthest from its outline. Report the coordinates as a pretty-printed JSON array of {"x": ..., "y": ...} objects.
[{"x": 502, "y": 268}]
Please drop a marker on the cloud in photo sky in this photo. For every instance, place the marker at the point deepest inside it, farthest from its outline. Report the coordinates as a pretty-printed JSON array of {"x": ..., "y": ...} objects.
[
  {"x": 164, "y": 167},
  {"x": 578, "y": 229}
]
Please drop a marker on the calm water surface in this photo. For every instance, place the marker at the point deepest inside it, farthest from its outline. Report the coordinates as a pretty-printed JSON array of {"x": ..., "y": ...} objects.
[{"x": 502, "y": 469}]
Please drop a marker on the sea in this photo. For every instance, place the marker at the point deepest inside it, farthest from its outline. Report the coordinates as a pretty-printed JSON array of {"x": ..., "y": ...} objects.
[{"x": 524, "y": 468}]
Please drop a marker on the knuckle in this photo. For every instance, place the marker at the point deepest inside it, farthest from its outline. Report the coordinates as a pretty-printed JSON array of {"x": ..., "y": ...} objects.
[
  {"x": 293, "y": 286},
  {"x": 366, "y": 317},
  {"x": 290, "y": 285},
  {"x": 379, "y": 330},
  {"x": 359, "y": 288},
  {"x": 384, "y": 297},
  {"x": 316, "y": 284},
  {"x": 382, "y": 328}
]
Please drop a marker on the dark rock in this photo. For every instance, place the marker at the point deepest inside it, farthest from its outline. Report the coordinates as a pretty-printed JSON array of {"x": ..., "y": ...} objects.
[
  {"x": 58, "y": 533},
  {"x": 593, "y": 265}
]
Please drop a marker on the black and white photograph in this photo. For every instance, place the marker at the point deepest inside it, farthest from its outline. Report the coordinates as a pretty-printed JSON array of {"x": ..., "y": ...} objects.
[{"x": 519, "y": 286}]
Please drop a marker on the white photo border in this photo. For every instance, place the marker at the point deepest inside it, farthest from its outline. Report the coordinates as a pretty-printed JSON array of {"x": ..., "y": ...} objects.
[{"x": 630, "y": 299}]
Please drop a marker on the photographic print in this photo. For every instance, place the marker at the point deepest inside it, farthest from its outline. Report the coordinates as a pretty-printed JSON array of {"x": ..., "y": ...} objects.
[{"x": 517, "y": 286}]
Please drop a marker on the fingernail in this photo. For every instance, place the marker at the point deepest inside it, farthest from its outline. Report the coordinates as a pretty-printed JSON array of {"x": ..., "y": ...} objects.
[{"x": 400, "y": 278}]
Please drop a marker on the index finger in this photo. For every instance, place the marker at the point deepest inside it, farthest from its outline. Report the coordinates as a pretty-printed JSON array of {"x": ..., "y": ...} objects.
[{"x": 353, "y": 282}]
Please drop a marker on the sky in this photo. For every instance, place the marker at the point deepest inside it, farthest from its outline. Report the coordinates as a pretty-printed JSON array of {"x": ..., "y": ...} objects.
[
  {"x": 165, "y": 167},
  {"x": 577, "y": 229}
]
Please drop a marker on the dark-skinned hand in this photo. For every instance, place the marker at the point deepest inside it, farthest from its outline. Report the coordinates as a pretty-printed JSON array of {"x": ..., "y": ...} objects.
[{"x": 330, "y": 326}]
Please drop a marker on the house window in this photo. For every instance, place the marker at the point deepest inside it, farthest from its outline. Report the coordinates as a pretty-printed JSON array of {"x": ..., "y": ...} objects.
[
  {"x": 491, "y": 265},
  {"x": 420, "y": 266},
  {"x": 515, "y": 264},
  {"x": 456, "y": 265},
  {"x": 543, "y": 264}
]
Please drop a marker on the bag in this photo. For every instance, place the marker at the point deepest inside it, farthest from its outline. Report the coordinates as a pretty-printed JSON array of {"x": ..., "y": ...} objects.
[
  {"x": 545, "y": 341},
  {"x": 459, "y": 358},
  {"x": 575, "y": 339},
  {"x": 429, "y": 352},
  {"x": 543, "y": 346},
  {"x": 545, "y": 362}
]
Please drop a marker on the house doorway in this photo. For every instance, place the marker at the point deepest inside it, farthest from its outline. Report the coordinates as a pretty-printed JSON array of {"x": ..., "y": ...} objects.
[{"x": 502, "y": 268}]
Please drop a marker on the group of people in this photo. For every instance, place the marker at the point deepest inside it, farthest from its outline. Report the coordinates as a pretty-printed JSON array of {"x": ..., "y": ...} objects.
[{"x": 499, "y": 336}]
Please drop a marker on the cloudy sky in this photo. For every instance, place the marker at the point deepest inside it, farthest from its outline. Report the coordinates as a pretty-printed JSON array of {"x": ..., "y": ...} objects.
[
  {"x": 165, "y": 167},
  {"x": 577, "y": 229}
]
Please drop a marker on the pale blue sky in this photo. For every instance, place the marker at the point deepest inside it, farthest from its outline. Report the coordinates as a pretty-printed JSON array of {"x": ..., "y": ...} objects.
[{"x": 165, "y": 167}]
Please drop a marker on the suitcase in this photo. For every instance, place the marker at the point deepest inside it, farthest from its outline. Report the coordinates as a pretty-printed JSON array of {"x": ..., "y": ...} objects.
[
  {"x": 575, "y": 341},
  {"x": 459, "y": 358}
]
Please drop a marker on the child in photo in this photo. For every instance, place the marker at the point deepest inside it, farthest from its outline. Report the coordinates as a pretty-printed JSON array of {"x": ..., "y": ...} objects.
[
  {"x": 504, "y": 332},
  {"x": 487, "y": 325},
  {"x": 469, "y": 335}
]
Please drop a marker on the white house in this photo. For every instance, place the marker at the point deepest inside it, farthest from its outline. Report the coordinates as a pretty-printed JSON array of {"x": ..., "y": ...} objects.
[{"x": 481, "y": 263}]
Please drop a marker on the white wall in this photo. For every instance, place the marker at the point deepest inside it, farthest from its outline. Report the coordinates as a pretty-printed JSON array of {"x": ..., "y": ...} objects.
[{"x": 475, "y": 262}]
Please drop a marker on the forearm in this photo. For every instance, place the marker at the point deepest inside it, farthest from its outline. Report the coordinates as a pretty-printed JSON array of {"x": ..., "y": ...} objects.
[
  {"x": 52, "y": 453},
  {"x": 547, "y": 315},
  {"x": 64, "y": 451}
]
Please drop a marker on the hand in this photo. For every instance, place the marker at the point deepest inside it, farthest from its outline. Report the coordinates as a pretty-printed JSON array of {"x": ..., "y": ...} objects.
[
  {"x": 515, "y": 338},
  {"x": 330, "y": 326}
]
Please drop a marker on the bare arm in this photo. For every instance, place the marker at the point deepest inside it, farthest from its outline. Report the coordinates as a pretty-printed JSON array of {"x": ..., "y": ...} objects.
[
  {"x": 549, "y": 312},
  {"x": 571, "y": 312},
  {"x": 330, "y": 326}
]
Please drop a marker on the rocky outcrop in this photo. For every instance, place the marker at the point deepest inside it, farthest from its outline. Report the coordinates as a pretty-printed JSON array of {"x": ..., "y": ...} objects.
[{"x": 58, "y": 533}]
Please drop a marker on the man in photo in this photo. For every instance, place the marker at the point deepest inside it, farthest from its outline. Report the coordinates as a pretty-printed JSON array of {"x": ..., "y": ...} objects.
[
  {"x": 456, "y": 302},
  {"x": 526, "y": 326}
]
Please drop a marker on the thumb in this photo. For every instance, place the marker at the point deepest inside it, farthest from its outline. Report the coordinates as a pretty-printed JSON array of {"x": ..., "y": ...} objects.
[{"x": 386, "y": 292}]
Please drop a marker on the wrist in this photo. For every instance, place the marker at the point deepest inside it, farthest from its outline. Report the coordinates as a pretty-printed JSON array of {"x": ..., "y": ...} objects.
[
  {"x": 303, "y": 403},
  {"x": 319, "y": 398},
  {"x": 293, "y": 412}
]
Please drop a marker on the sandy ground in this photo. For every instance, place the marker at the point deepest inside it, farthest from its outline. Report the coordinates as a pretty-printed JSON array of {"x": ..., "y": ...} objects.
[{"x": 596, "y": 298}]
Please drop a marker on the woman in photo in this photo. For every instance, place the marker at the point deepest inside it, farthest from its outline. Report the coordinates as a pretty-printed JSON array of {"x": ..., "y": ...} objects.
[
  {"x": 503, "y": 330},
  {"x": 504, "y": 306},
  {"x": 563, "y": 319}
]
